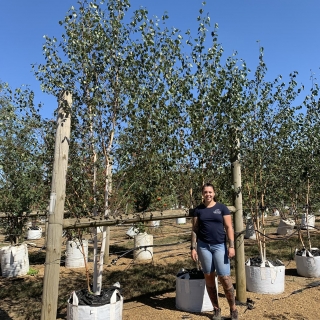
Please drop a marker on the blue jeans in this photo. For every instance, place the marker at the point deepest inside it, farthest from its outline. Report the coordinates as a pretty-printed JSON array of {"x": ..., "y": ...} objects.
[{"x": 214, "y": 257}]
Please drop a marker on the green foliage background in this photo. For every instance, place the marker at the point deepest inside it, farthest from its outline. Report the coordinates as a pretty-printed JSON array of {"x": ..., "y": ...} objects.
[{"x": 155, "y": 112}]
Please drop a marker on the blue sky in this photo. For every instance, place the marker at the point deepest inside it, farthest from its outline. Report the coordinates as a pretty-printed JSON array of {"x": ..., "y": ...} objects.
[{"x": 287, "y": 29}]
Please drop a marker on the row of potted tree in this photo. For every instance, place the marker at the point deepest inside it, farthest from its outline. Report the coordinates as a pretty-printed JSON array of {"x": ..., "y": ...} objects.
[{"x": 149, "y": 120}]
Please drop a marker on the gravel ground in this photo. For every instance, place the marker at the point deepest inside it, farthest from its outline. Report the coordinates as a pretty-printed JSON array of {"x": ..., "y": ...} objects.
[{"x": 300, "y": 301}]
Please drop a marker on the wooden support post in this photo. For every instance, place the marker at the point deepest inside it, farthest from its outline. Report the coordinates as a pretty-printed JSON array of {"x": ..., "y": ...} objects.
[
  {"x": 238, "y": 225},
  {"x": 46, "y": 234},
  {"x": 56, "y": 210}
]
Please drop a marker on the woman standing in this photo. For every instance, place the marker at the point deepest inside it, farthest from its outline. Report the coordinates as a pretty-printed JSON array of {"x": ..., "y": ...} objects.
[{"x": 211, "y": 225}]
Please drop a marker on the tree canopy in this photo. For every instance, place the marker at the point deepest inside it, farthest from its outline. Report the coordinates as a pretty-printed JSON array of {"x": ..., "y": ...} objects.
[{"x": 156, "y": 109}]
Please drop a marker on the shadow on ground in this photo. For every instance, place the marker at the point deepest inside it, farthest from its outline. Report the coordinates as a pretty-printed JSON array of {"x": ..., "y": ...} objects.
[
  {"x": 158, "y": 301},
  {"x": 4, "y": 315}
]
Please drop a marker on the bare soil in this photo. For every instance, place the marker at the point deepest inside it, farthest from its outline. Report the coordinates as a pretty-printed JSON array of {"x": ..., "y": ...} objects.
[{"x": 299, "y": 301}]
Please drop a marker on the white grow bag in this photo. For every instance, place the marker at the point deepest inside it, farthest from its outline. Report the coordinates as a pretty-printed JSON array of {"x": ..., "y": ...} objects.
[
  {"x": 250, "y": 232},
  {"x": 286, "y": 226},
  {"x": 110, "y": 311},
  {"x": 132, "y": 231},
  {"x": 265, "y": 280},
  {"x": 34, "y": 234},
  {"x": 155, "y": 223},
  {"x": 192, "y": 295},
  {"x": 308, "y": 266},
  {"x": 74, "y": 254},
  {"x": 145, "y": 240},
  {"x": 307, "y": 224},
  {"x": 14, "y": 260},
  {"x": 181, "y": 220}
]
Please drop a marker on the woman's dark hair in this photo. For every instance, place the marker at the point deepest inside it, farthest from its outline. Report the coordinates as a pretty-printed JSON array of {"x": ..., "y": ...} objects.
[{"x": 208, "y": 184}]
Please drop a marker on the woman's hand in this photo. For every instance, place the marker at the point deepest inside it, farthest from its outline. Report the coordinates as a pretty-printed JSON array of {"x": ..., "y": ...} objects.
[
  {"x": 194, "y": 255},
  {"x": 231, "y": 253}
]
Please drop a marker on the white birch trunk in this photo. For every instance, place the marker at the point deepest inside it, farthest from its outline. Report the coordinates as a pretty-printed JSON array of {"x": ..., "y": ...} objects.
[{"x": 99, "y": 265}]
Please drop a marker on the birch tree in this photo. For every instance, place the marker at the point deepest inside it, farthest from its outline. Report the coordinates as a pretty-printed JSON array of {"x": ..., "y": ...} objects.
[{"x": 118, "y": 69}]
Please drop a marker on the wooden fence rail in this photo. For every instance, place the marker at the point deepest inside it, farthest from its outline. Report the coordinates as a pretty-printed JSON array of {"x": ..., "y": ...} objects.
[{"x": 78, "y": 223}]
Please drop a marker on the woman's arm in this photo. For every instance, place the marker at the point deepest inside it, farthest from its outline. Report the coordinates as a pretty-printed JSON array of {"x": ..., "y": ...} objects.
[
  {"x": 194, "y": 231},
  {"x": 227, "y": 221}
]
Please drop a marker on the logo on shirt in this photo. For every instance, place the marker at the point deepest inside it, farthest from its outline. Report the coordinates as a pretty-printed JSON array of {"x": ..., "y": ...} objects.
[{"x": 217, "y": 211}]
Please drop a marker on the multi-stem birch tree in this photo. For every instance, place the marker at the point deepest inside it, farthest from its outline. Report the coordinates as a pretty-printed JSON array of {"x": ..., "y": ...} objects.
[{"x": 118, "y": 69}]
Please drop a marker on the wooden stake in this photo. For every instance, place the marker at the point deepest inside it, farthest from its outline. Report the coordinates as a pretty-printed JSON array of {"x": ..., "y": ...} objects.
[
  {"x": 56, "y": 210},
  {"x": 238, "y": 226}
]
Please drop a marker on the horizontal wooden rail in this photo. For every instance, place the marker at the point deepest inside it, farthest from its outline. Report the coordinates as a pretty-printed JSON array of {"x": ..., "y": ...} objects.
[
  {"x": 130, "y": 218},
  {"x": 76, "y": 223},
  {"x": 125, "y": 219},
  {"x": 25, "y": 214}
]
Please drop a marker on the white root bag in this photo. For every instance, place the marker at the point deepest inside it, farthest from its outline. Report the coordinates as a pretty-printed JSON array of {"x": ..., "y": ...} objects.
[
  {"x": 308, "y": 267},
  {"x": 307, "y": 224},
  {"x": 155, "y": 223},
  {"x": 110, "y": 311},
  {"x": 250, "y": 232},
  {"x": 265, "y": 280},
  {"x": 286, "y": 226},
  {"x": 192, "y": 295},
  {"x": 74, "y": 255},
  {"x": 181, "y": 220},
  {"x": 14, "y": 260},
  {"x": 34, "y": 234},
  {"x": 132, "y": 231},
  {"x": 144, "y": 240}
]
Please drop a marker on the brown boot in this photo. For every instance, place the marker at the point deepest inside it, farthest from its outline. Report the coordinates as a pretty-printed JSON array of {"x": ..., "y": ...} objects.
[
  {"x": 216, "y": 314},
  {"x": 234, "y": 314}
]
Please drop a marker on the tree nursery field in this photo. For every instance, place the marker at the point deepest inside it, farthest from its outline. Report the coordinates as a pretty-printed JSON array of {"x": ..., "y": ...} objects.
[
  {"x": 146, "y": 115},
  {"x": 148, "y": 286}
]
